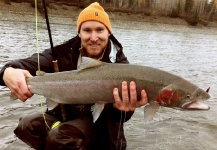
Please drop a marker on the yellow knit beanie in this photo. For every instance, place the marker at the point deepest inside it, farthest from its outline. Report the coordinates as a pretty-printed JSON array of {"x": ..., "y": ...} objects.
[{"x": 94, "y": 12}]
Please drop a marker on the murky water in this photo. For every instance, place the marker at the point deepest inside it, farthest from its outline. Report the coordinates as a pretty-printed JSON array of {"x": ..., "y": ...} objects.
[{"x": 185, "y": 51}]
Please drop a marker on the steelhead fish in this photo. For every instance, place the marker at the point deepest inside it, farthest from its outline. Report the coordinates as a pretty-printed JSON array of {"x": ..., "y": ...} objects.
[{"x": 94, "y": 81}]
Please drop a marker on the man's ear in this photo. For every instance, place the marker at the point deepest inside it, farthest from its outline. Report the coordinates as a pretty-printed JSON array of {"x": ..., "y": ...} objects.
[{"x": 79, "y": 35}]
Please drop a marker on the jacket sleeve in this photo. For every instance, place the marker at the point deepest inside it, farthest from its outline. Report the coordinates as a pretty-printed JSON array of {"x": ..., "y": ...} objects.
[
  {"x": 45, "y": 60},
  {"x": 30, "y": 64}
]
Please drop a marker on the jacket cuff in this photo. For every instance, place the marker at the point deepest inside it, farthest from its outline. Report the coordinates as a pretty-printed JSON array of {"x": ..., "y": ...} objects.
[{"x": 1, "y": 76}]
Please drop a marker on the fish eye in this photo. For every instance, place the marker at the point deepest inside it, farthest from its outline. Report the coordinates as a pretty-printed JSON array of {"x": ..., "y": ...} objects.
[{"x": 188, "y": 96}]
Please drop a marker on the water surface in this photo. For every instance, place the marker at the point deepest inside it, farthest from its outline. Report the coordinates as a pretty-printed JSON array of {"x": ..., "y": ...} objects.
[{"x": 185, "y": 51}]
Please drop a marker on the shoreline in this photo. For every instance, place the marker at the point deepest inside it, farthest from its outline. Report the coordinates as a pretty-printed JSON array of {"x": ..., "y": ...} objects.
[{"x": 70, "y": 11}]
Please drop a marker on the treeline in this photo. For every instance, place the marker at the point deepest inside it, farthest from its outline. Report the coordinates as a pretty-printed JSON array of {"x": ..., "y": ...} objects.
[{"x": 193, "y": 11}]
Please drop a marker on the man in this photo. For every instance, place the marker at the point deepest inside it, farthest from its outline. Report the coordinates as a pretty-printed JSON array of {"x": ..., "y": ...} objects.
[{"x": 76, "y": 130}]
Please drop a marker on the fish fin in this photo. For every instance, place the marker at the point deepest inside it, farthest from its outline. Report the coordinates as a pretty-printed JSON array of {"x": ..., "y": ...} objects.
[
  {"x": 40, "y": 73},
  {"x": 150, "y": 110},
  {"x": 51, "y": 104},
  {"x": 96, "y": 110},
  {"x": 89, "y": 63},
  {"x": 13, "y": 97}
]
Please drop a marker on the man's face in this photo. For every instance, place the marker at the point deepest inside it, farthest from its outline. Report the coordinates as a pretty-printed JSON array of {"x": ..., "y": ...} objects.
[{"x": 94, "y": 38}]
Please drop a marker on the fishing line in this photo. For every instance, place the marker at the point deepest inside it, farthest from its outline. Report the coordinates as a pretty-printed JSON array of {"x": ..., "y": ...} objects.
[
  {"x": 38, "y": 54},
  {"x": 121, "y": 119}
]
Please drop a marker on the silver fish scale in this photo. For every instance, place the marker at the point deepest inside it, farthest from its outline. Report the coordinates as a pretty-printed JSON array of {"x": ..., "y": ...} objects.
[{"x": 95, "y": 84}]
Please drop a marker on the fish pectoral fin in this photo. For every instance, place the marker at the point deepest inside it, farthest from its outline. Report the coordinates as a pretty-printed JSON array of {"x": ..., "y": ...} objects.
[
  {"x": 150, "y": 110},
  {"x": 96, "y": 110},
  {"x": 51, "y": 104}
]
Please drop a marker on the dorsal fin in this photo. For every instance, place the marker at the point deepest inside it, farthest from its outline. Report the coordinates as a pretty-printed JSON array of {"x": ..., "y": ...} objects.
[{"x": 87, "y": 62}]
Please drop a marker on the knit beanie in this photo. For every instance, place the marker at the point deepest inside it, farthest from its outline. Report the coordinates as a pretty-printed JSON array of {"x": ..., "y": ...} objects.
[{"x": 94, "y": 12}]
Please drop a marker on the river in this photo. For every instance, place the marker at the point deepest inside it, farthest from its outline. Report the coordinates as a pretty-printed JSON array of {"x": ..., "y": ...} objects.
[{"x": 186, "y": 51}]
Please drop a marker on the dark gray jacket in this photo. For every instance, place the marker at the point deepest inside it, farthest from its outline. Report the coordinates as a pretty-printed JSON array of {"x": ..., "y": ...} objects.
[{"x": 109, "y": 129}]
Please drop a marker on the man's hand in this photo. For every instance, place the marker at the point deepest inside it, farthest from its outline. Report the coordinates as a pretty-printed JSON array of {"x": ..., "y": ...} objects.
[
  {"x": 15, "y": 80},
  {"x": 129, "y": 101}
]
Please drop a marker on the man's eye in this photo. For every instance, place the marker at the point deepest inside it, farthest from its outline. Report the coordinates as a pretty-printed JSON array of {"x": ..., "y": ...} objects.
[
  {"x": 188, "y": 96},
  {"x": 100, "y": 30},
  {"x": 86, "y": 30}
]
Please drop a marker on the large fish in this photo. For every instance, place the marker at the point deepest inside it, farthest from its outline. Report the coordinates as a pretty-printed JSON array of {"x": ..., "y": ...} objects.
[{"x": 94, "y": 81}]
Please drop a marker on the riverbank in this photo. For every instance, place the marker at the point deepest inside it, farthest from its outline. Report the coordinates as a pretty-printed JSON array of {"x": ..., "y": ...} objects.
[
  {"x": 187, "y": 51},
  {"x": 66, "y": 11}
]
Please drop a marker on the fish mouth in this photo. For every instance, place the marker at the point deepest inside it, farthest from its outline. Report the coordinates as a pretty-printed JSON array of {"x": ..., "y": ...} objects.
[{"x": 196, "y": 105}]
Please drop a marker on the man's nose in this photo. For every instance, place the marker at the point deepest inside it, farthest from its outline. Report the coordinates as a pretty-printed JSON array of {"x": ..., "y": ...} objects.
[{"x": 94, "y": 37}]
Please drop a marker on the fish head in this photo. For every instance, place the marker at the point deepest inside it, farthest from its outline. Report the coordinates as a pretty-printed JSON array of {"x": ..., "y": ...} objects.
[{"x": 183, "y": 96}]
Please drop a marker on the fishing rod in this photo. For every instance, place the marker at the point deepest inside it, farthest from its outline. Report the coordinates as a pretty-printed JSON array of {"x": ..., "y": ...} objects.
[
  {"x": 55, "y": 63},
  {"x": 56, "y": 68}
]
